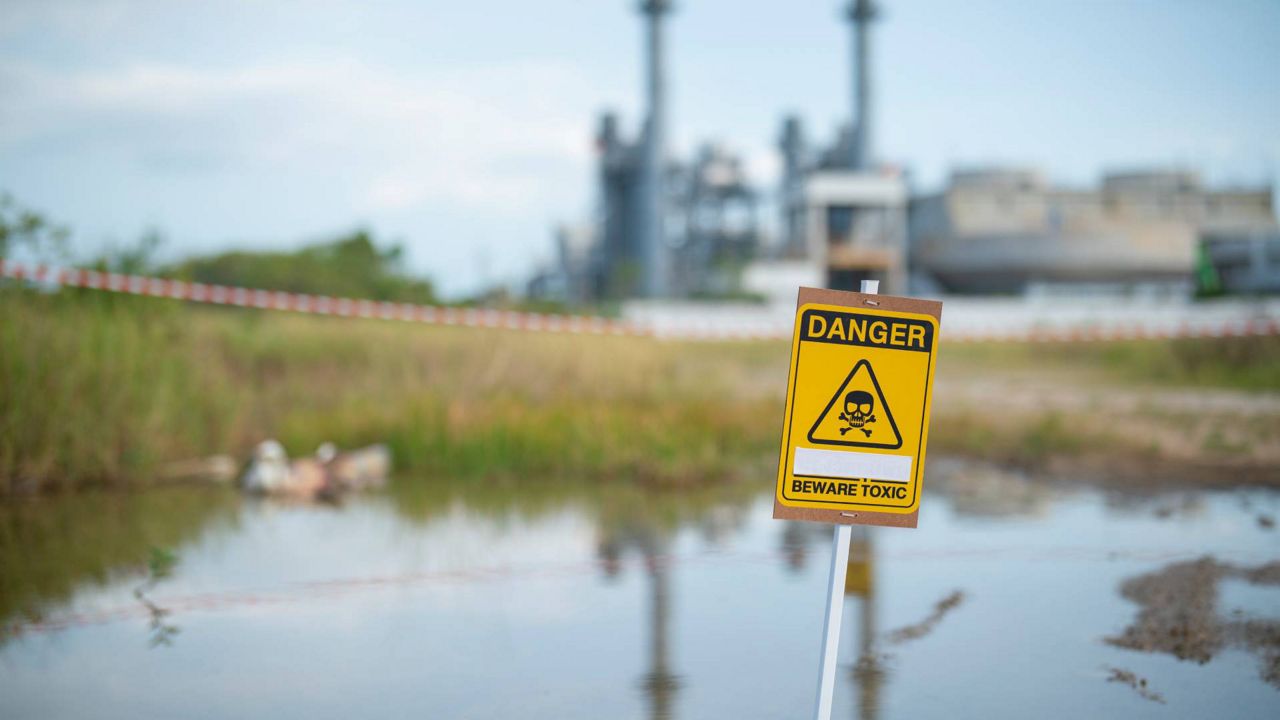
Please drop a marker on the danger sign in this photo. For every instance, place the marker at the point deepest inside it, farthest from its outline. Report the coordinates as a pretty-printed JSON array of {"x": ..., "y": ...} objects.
[
  {"x": 857, "y": 414},
  {"x": 857, "y": 399}
]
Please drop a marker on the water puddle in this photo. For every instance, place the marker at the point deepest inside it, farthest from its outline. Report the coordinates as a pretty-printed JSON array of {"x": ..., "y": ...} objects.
[{"x": 563, "y": 600}]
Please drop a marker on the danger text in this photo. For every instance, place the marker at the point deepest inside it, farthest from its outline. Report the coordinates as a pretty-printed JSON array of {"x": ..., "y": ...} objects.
[{"x": 866, "y": 330}]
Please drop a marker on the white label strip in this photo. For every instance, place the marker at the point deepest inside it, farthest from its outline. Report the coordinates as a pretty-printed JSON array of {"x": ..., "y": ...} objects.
[{"x": 850, "y": 464}]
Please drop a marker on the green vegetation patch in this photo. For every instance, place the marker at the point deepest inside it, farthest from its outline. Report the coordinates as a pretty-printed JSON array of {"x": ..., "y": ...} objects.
[
  {"x": 1248, "y": 363},
  {"x": 105, "y": 389}
]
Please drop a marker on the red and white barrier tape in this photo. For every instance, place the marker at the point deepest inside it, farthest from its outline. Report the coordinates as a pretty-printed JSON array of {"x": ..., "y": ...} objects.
[
  {"x": 318, "y": 304},
  {"x": 538, "y": 322}
]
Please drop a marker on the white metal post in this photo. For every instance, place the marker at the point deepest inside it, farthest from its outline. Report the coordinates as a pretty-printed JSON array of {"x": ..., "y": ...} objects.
[
  {"x": 831, "y": 626},
  {"x": 835, "y": 597}
]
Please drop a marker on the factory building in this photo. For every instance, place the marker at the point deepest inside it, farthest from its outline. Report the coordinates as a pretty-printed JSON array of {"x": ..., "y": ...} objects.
[
  {"x": 1239, "y": 262},
  {"x": 711, "y": 222},
  {"x": 571, "y": 275},
  {"x": 716, "y": 221},
  {"x": 709, "y": 219},
  {"x": 663, "y": 227},
  {"x": 840, "y": 208},
  {"x": 666, "y": 228},
  {"x": 1001, "y": 230},
  {"x": 1006, "y": 230},
  {"x": 1009, "y": 231}
]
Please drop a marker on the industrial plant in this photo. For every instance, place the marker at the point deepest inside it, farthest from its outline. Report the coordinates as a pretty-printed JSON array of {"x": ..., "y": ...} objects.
[
  {"x": 672, "y": 229},
  {"x": 664, "y": 227}
]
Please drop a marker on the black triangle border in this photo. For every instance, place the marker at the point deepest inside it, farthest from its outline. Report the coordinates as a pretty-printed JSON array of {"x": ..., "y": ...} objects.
[{"x": 883, "y": 404}]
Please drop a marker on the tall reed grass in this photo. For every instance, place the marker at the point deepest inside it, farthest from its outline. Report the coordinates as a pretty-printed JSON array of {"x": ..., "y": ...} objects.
[
  {"x": 102, "y": 389},
  {"x": 97, "y": 389}
]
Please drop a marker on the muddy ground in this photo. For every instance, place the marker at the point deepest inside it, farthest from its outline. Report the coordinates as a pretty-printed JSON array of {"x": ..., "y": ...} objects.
[
  {"x": 1179, "y": 614},
  {"x": 1080, "y": 426}
]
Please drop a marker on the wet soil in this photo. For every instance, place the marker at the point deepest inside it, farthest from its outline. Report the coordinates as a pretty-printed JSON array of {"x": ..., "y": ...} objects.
[{"x": 1179, "y": 615}]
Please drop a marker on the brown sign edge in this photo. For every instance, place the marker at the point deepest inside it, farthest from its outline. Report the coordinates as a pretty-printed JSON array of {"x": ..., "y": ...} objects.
[{"x": 856, "y": 301}]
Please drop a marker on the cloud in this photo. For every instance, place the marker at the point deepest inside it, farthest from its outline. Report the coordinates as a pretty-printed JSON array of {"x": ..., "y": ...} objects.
[{"x": 506, "y": 134}]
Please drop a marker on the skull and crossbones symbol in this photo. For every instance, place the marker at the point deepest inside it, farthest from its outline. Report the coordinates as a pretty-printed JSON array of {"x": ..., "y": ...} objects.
[{"x": 857, "y": 412}]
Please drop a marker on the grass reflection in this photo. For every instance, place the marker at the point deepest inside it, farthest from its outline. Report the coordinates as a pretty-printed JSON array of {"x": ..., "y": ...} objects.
[
  {"x": 613, "y": 504},
  {"x": 50, "y": 547}
]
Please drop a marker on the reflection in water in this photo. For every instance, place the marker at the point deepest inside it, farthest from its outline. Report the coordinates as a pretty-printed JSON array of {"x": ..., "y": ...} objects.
[
  {"x": 799, "y": 540},
  {"x": 512, "y": 573},
  {"x": 868, "y": 672},
  {"x": 660, "y": 684},
  {"x": 159, "y": 566},
  {"x": 981, "y": 489},
  {"x": 636, "y": 530},
  {"x": 52, "y": 547}
]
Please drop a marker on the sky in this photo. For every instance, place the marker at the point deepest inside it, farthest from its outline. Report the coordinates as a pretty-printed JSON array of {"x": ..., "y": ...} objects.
[{"x": 464, "y": 129}]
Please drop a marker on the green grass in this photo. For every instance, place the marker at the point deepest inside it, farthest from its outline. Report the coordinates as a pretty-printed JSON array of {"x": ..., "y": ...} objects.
[
  {"x": 97, "y": 389},
  {"x": 103, "y": 389},
  {"x": 1218, "y": 443},
  {"x": 1027, "y": 442},
  {"x": 1246, "y": 363}
]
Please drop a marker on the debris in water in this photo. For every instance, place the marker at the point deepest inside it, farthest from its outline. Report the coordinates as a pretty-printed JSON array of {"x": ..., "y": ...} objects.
[
  {"x": 355, "y": 469},
  {"x": 1266, "y": 522},
  {"x": 924, "y": 627},
  {"x": 1137, "y": 682},
  {"x": 326, "y": 476}
]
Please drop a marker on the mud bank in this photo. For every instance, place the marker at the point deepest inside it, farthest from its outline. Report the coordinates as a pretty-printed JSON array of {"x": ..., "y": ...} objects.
[{"x": 1179, "y": 615}]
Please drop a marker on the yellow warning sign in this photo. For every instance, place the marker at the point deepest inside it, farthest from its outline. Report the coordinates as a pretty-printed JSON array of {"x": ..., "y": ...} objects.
[
  {"x": 857, "y": 401},
  {"x": 857, "y": 414}
]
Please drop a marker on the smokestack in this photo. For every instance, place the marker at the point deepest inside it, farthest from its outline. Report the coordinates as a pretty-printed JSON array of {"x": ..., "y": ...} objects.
[
  {"x": 653, "y": 202},
  {"x": 861, "y": 13}
]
